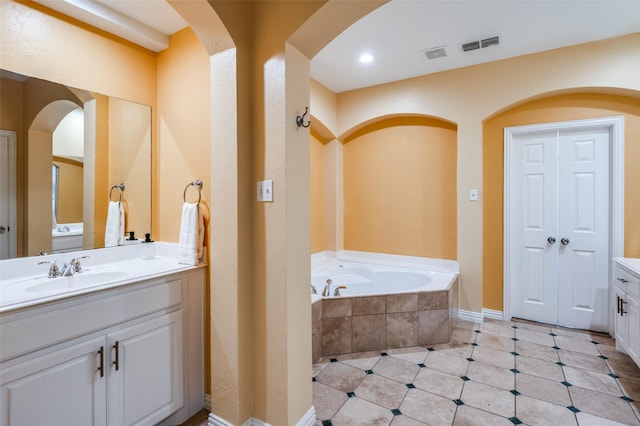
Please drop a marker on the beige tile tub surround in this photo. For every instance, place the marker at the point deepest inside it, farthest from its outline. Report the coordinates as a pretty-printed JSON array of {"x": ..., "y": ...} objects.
[{"x": 360, "y": 324}]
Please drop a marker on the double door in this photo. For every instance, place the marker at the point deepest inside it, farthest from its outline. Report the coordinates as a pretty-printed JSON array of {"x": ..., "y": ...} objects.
[{"x": 557, "y": 234}]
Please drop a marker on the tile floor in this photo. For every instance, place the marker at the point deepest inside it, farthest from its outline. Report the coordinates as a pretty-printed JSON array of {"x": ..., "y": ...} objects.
[{"x": 491, "y": 373}]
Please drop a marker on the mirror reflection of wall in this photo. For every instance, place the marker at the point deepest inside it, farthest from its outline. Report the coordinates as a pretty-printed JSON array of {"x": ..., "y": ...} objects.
[
  {"x": 67, "y": 183},
  {"x": 68, "y": 157},
  {"x": 114, "y": 146}
]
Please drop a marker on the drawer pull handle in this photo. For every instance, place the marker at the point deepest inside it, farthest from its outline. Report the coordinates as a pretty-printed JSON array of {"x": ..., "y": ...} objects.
[
  {"x": 622, "y": 280},
  {"x": 618, "y": 303},
  {"x": 101, "y": 366},
  {"x": 116, "y": 347}
]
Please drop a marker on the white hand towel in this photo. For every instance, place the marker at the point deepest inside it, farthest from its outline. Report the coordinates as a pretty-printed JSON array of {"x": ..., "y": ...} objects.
[
  {"x": 191, "y": 235},
  {"x": 114, "y": 230}
]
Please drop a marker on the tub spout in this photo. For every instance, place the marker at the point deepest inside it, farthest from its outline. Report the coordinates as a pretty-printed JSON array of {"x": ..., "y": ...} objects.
[
  {"x": 336, "y": 292},
  {"x": 327, "y": 288}
]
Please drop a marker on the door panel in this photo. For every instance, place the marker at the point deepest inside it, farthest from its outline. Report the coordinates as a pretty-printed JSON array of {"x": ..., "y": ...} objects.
[
  {"x": 8, "y": 224},
  {"x": 583, "y": 219},
  {"x": 533, "y": 268}
]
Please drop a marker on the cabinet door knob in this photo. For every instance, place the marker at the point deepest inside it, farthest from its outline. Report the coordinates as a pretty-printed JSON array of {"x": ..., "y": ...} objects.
[
  {"x": 116, "y": 362},
  {"x": 551, "y": 240},
  {"x": 564, "y": 241}
]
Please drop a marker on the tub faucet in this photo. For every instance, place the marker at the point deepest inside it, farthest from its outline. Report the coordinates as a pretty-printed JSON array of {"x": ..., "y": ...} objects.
[
  {"x": 336, "y": 292},
  {"x": 327, "y": 288}
]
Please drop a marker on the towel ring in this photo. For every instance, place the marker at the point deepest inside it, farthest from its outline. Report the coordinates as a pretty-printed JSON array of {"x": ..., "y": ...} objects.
[
  {"x": 120, "y": 189},
  {"x": 197, "y": 184}
]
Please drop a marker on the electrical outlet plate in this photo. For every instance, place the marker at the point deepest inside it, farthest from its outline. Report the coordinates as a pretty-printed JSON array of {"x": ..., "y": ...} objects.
[
  {"x": 473, "y": 195},
  {"x": 265, "y": 191}
]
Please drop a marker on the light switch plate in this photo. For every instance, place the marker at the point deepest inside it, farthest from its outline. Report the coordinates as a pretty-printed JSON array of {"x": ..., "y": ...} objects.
[{"x": 265, "y": 191}]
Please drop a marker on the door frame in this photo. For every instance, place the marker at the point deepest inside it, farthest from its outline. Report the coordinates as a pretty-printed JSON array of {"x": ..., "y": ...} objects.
[
  {"x": 616, "y": 192},
  {"x": 12, "y": 203}
]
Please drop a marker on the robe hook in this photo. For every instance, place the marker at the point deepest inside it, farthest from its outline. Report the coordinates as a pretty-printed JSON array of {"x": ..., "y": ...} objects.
[{"x": 300, "y": 119}]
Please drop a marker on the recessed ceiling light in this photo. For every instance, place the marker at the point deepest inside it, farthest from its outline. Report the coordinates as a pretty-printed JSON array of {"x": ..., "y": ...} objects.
[{"x": 366, "y": 58}]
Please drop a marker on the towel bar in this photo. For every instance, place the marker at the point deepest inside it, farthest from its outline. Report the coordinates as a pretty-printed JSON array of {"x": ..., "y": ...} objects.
[
  {"x": 120, "y": 189},
  {"x": 197, "y": 184}
]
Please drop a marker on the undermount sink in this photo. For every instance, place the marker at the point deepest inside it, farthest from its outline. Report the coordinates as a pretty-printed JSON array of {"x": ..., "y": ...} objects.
[{"x": 78, "y": 281}]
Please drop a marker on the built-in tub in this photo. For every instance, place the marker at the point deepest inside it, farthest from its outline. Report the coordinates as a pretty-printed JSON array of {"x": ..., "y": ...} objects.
[{"x": 382, "y": 307}]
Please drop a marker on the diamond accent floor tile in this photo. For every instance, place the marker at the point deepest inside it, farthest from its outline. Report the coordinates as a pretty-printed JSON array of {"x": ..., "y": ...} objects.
[{"x": 476, "y": 379}]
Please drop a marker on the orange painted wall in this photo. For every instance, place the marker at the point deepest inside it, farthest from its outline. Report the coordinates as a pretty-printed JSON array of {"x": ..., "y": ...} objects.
[
  {"x": 70, "y": 190},
  {"x": 552, "y": 109},
  {"x": 184, "y": 153},
  {"x": 317, "y": 194},
  {"x": 400, "y": 188}
]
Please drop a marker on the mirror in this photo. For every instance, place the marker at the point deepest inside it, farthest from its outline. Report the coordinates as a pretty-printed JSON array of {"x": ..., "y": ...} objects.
[{"x": 62, "y": 149}]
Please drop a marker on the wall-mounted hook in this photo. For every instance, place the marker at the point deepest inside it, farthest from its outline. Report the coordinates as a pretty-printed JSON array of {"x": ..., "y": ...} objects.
[{"x": 300, "y": 119}]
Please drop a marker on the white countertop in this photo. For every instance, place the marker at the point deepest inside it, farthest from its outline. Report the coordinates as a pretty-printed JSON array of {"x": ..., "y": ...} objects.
[
  {"x": 630, "y": 263},
  {"x": 24, "y": 283}
]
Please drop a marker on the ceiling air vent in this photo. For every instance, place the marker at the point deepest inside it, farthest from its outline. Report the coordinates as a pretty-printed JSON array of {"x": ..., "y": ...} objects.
[
  {"x": 491, "y": 41},
  {"x": 435, "y": 52},
  {"x": 474, "y": 45}
]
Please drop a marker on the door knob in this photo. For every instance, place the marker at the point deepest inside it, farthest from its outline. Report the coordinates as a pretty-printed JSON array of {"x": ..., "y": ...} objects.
[
  {"x": 551, "y": 240},
  {"x": 564, "y": 241},
  {"x": 2, "y": 229}
]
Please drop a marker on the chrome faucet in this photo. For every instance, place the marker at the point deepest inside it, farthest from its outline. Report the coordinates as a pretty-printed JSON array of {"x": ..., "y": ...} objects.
[
  {"x": 69, "y": 269},
  {"x": 73, "y": 267},
  {"x": 327, "y": 288},
  {"x": 54, "y": 271},
  {"x": 336, "y": 292}
]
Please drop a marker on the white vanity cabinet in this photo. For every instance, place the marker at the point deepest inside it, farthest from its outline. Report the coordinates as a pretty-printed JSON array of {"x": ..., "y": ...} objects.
[
  {"x": 626, "y": 278},
  {"x": 123, "y": 356}
]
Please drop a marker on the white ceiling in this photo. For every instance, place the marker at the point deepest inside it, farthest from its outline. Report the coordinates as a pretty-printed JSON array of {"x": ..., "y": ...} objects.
[{"x": 399, "y": 32}]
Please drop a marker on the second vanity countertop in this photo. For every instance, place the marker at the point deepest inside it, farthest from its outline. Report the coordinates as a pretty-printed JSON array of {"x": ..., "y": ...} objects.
[
  {"x": 631, "y": 263},
  {"x": 24, "y": 283}
]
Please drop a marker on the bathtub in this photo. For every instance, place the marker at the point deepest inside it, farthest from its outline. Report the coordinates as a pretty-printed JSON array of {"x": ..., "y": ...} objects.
[
  {"x": 369, "y": 280},
  {"x": 389, "y": 302}
]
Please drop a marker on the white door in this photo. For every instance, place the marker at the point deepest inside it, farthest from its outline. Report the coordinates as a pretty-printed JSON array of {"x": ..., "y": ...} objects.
[
  {"x": 558, "y": 226},
  {"x": 8, "y": 225},
  {"x": 583, "y": 228}
]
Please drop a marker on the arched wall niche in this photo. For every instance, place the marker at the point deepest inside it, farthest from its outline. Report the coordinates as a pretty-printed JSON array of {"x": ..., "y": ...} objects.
[
  {"x": 554, "y": 106},
  {"x": 393, "y": 120},
  {"x": 399, "y": 184}
]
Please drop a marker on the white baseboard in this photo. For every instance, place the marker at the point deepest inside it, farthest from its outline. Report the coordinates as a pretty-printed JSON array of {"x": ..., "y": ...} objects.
[
  {"x": 207, "y": 402},
  {"x": 255, "y": 422},
  {"x": 493, "y": 314},
  {"x": 309, "y": 418},
  {"x": 470, "y": 315},
  {"x": 217, "y": 421}
]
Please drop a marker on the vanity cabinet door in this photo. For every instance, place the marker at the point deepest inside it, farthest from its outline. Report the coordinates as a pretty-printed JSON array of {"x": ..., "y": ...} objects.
[
  {"x": 622, "y": 322},
  {"x": 64, "y": 387},
  {"x": 145, "y": 371},
  {"x": 633, "y": 320}
]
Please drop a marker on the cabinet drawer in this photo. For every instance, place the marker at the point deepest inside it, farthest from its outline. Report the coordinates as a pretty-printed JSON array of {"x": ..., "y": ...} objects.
[
  {"x": 50, "y": 325},
  {"x": 626, "y": 280}
]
